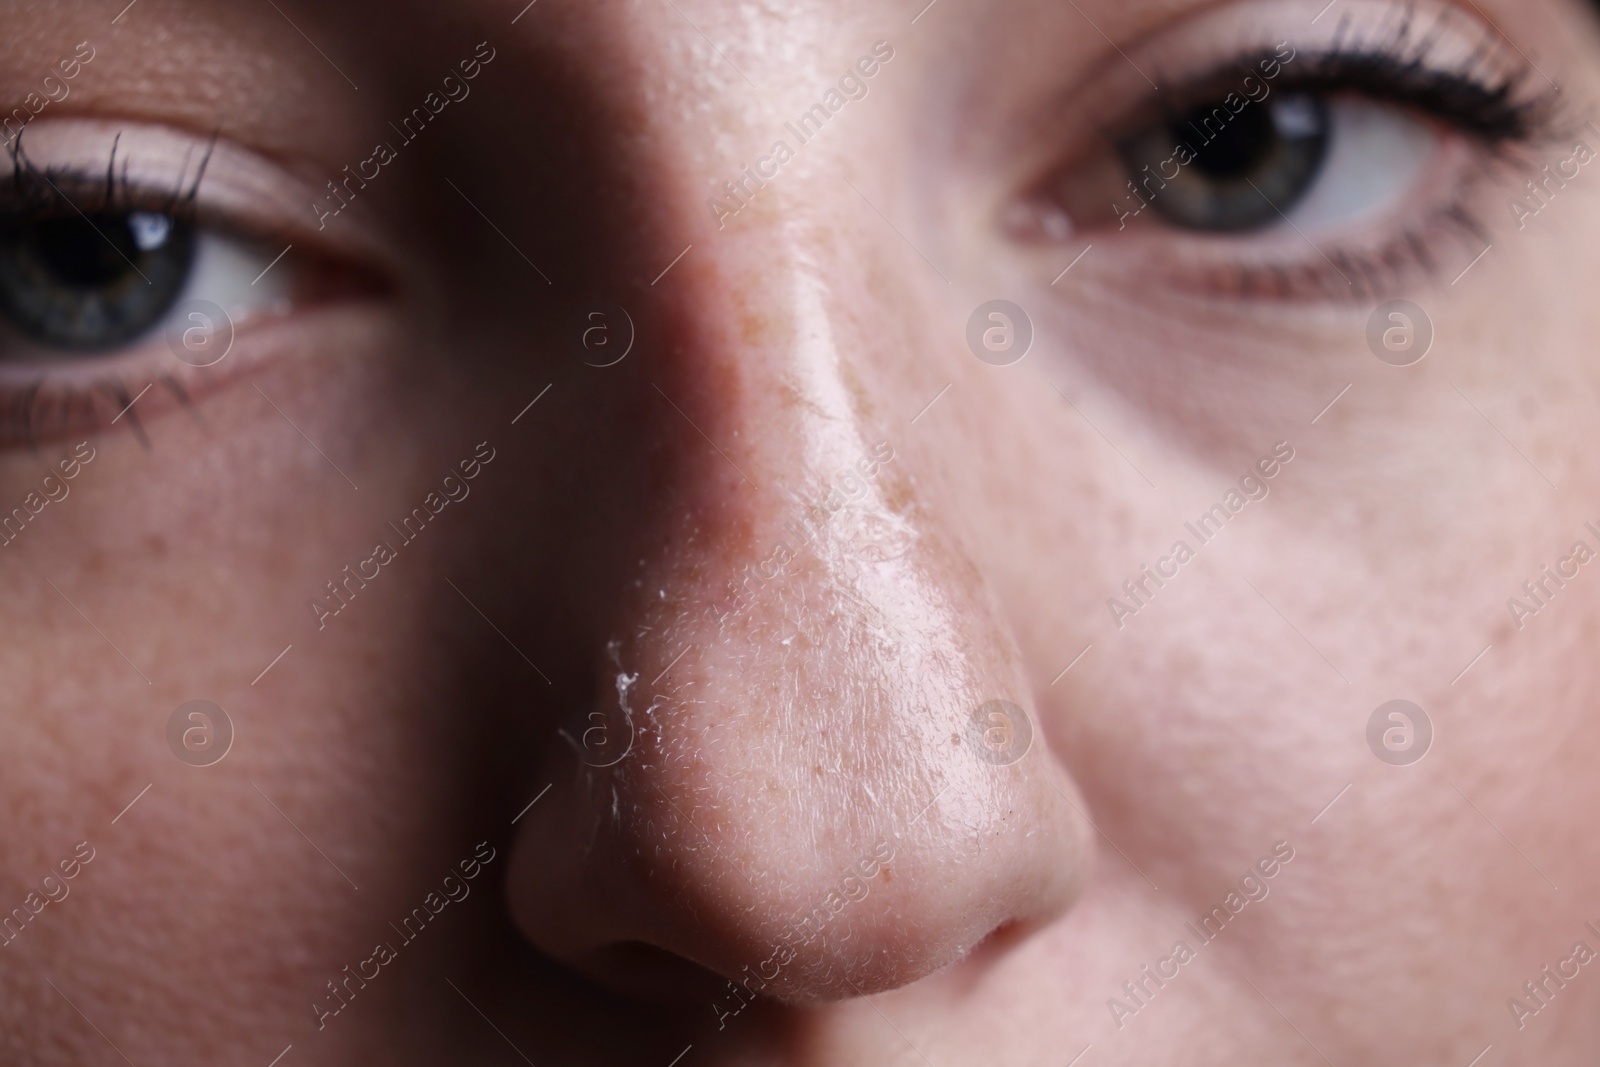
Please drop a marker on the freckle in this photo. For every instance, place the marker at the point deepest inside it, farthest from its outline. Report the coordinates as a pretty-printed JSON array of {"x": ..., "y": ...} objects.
[
  {"x": 859, "y": 393},
  {"x": 886, "y": 875},
  {"x": 897, "y": 493},
  {"x": 157, "y": 546},
  {"x": 755, "y": 327}
]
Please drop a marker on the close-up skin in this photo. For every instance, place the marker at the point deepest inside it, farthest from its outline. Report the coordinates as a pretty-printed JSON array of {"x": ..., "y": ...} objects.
[{"x": 803, "y": 532}]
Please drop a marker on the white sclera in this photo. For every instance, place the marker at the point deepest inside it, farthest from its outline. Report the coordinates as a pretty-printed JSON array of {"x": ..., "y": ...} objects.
[
  {"x": 1375, "y": 155},
  {"x": 224, "y": 268}
]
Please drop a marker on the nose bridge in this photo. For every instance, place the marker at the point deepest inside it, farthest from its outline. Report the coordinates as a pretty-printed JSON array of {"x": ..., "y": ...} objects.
[
  {"x": 785, "y": 594},
  {"x": 807, "y": 426},
  {"x": 770, "y": 395},
  {"x": 784, "y": 566},
  {"x": 744, "y": 212}
]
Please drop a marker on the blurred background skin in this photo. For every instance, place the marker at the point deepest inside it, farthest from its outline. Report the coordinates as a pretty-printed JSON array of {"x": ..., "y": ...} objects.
[{"x": 777, "y": 746}]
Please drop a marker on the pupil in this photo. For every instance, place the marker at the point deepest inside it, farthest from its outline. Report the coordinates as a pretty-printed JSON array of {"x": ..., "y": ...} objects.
[
  {"x": 1239, "y": 149},
  {"x": 78, "y": 256}
]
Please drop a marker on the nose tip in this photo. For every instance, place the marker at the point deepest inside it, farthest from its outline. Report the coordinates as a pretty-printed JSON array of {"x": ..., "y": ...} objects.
[{"x": 825, "y": 786}]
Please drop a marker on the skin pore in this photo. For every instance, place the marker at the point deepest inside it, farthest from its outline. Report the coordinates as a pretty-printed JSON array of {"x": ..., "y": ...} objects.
[{"x": 605, "y": 773}]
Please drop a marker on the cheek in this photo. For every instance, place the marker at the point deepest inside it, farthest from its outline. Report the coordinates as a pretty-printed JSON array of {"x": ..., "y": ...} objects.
[{"x": 181, "y": 529}]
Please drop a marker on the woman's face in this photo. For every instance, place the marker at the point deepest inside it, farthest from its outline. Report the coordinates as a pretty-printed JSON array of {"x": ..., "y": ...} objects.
[{"x": 799, "y": 533}]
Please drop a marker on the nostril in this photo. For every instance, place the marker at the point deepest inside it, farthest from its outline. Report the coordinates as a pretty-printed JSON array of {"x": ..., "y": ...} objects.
[
  {"x": 999, "y": 941},
  {"x": 963, "y": 975},
  {"x": 810, "y": 796},
  {"x": 646, "y": 972}
]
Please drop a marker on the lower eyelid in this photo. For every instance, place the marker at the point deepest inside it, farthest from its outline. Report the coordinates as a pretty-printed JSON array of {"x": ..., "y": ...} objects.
[
  {"x": 219, "y": 327},
  {"x": 141, "y": 384},
  {"x": 1285, "y": 265}
]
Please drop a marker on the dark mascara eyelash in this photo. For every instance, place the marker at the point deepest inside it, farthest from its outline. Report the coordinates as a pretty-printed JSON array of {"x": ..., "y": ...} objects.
[
  {"x": 30, "y": 191},
  {"x": 38, "y": 411},
  {"x": 1496, "y": 113},
  {"x": 1486, "y": 95}
]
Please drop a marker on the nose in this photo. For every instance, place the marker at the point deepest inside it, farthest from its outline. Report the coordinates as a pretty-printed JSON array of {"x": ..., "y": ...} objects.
[{"x": 811, "y": 769}]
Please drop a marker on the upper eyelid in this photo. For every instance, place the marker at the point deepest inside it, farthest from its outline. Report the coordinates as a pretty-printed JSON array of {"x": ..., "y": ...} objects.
[
  {"x": 1521, "y": 116},
  {"x": 1201, "y": 44},
  {"x": 242, "y": 191},
  {"x": 1079, "y": 122}
]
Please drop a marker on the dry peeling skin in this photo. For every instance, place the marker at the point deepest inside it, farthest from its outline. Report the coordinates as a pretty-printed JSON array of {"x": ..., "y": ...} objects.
[{"x": 807, "y": 720}]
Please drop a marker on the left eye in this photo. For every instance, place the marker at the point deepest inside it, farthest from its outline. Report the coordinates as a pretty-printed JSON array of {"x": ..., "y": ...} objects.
[
  {"x": 1246, "y": 169},
  {"x": 92, "y": 281}
]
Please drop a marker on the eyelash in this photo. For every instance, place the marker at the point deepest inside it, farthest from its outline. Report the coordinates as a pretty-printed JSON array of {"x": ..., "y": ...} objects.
[
  {"x": 39, "y": 413},
  {"x": 1498, "y": 113},
  {"x": 31, "y": 192}
]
